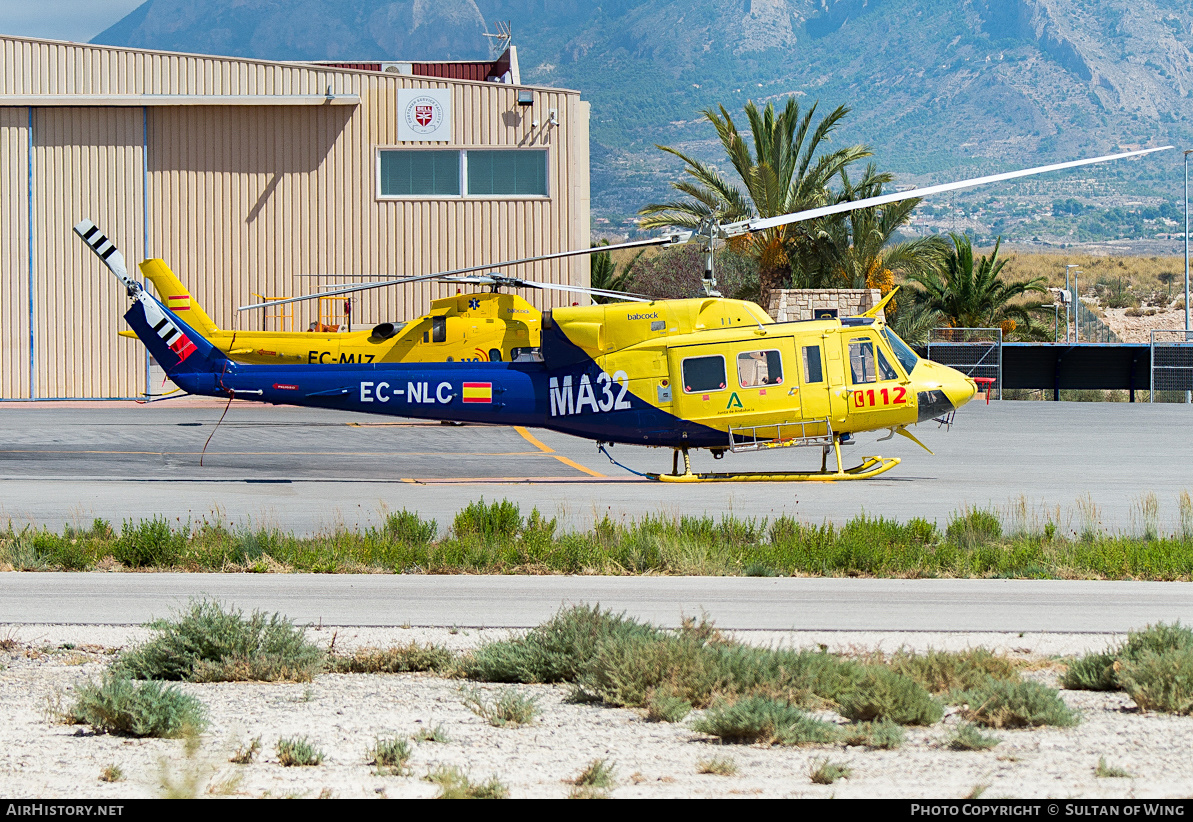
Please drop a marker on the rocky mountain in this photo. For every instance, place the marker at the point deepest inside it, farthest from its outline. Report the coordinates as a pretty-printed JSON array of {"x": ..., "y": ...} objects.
[{"x": 939, "y": 88}]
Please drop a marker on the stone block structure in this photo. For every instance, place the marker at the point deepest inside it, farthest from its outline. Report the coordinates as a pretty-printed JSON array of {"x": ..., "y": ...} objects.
[{"x": 788, "y": 305}]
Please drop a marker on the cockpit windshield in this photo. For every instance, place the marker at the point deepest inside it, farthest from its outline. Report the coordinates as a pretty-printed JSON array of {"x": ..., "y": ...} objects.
[{"x": 903, "y": 353}]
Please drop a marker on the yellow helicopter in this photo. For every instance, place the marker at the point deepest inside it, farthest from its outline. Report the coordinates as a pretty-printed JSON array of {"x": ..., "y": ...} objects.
[
  {"x": 478, "y": 327},
  {"x": 681, "y": 374}
]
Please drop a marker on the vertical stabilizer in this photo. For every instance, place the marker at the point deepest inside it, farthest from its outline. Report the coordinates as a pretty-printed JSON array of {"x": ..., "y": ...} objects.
[{"x": 175, "y": 296}]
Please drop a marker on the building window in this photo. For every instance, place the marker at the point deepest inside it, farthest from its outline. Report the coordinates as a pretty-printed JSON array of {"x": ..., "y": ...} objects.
[
  {"x": 507, "y": 172},
  {"x": 472, "y": 173},
  {"x": 414, "y": 173}
]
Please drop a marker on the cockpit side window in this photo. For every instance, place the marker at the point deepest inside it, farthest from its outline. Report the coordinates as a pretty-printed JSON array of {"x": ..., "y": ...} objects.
[
  {"x": 861, "y": 361},
  {"x": 813, "y": 368}
]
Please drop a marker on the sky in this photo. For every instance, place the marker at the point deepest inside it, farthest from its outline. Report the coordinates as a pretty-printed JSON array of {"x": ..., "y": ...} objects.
[{"x": 78, "y": 20}]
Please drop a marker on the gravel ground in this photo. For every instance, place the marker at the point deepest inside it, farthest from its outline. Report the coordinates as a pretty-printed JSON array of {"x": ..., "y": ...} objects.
[{"x": 343, "y": 714}]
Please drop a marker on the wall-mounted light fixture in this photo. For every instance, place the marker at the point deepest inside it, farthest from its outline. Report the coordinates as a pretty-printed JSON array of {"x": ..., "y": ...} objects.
[
  {"x": 553, "y": 117},
  {"x": 525, "y": 97}
]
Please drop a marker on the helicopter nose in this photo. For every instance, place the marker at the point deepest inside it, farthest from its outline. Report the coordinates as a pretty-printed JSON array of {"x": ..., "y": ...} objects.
[
  {"x": 960, "y": 389},
  {"x": 949, "y": 390}
]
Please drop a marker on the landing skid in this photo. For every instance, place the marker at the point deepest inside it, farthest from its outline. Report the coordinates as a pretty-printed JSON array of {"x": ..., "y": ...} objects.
[{"x": 870, "y": 467}]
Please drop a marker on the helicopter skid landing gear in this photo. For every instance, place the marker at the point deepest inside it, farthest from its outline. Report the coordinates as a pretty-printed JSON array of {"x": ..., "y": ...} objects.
[{"x": 870, "y": 467}]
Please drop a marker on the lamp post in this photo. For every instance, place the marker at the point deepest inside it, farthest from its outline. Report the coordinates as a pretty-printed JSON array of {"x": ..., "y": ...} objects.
[
  {"x": 1188, "y": 394},
  {"x": 1055, "y": 319},
  {"x": 1068, "y": 298}
]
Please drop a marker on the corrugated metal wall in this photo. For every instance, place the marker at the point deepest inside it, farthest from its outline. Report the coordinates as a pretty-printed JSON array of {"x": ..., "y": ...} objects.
[
  {"x": 245, "y": 200},
  {"x": 87, "y": 162},
  {"x": 14, "y": 252}
]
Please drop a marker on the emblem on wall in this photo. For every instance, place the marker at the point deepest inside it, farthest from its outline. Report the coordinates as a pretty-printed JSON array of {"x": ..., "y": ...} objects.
[{"x": 424, "y": 114}]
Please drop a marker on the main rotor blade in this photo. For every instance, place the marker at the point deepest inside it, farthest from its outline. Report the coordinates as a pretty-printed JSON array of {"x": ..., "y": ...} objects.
[
  {"x": 600, "y": 292},
  {"x": 749, "y": 226},
  {"x": 501, "y": 281},
  {"x": 667, "y": 239}
]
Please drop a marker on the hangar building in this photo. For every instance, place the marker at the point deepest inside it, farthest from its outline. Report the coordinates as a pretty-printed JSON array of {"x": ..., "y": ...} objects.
[{"x": 263, "y": 178}]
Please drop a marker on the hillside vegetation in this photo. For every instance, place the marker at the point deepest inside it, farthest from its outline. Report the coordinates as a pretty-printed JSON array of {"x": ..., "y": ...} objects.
[{"x": 940, "y": 88}]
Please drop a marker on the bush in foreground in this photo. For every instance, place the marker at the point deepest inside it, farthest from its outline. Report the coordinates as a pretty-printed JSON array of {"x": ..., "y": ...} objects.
[
  {"x": 209, "y": 644},
  {"x": 1016, "y": 705},
  {"x": 764, "y": 719},
  {"x": 118, "y": 705},
  {"x": 886, "y": 694}
]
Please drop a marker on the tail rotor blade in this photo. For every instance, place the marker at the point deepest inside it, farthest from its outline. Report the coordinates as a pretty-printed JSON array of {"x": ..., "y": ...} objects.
[{"x": 106, "y": 250}]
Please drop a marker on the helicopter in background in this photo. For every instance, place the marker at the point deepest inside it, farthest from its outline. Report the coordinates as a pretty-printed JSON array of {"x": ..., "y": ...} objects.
[
  {"x": 479, "y": 327},
  {"x": 707, "y": 373}
]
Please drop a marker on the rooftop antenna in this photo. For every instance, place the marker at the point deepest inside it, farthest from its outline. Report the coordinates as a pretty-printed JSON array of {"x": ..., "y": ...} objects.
[{"x": 500, "y": 41}]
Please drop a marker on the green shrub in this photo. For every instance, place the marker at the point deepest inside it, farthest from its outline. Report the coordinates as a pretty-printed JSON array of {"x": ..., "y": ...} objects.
[
  {"x": 826, "y": 772},
  {"x": 455, "y": 784},
  {"x": 409, "y": 529},
  {"x": 210, "y": 644},
  {"x": 149, "y": 543},
  {"x": 974, "y": 529},
  {"x": 1103, "y": 770},
  {"x": 510, "y": 709},
  {"x": 390, "y": 755},
  {"x": 498, "y": 522},
  {"x": 943, "y": 671},
  {"x": 885, "y": 694},
  {"x": 883, "y": 734},
  {"x": 1097, "y": 672},
  {"x": 556, "y": 651},
  {"x": 597, "y": 774},
  {"x": 434, "y": 734},
  {"x": 764, "y": 719},
  {"x": 717, "y": 766},
  {"x": 395, "y": 660},
  {"x": 662, "y": 707},
  {"x": 245, "y": 754},
  {"x": 1159, "y": 681},
  {"x": 118, "y": 705},
  {"x": 1157, "y": 639},
  {"x": 1015, "y": 705},
  {"x": 1092, "y": 672},
  {"x": 297, "y": 751},
  {"x": 969, "y": 737}
]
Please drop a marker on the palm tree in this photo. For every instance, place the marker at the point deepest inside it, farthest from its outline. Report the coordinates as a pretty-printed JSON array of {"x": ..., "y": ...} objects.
[
  {"x": 605, "y": 274},
  {"x": 854, "y": 250},
  {"x": 789, "y": 169},
  {"x": 973, "y": 295}
]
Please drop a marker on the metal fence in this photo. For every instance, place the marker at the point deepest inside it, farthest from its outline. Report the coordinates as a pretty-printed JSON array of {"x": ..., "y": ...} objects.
[
  {"x": 1090, "y": 327},
  {"x": 975, "y": 352},
  {"x": 1172, "y": 361}
]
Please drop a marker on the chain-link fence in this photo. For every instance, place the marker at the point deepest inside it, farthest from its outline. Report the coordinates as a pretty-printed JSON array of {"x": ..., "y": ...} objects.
[
  {"x": 975, "y": 352},
  {"x": 1172, "y": 365},
  {"x": 1090, "y": 327}
]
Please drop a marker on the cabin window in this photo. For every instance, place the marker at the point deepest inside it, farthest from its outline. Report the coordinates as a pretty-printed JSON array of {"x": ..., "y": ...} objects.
[
  {"x": 415, "y": 173},
  {"x": 759, "y": 368},
  {"x": 522, "y": 172},
  {"x": 813, "y": 371},
  {"x": 439, "y": 329},
  {"x": 861, "y": 361},
  {"x": 703, "y": 374}
]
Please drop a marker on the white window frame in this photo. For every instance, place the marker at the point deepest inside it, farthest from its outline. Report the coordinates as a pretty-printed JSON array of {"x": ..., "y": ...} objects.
[{"x": 463, "y": 160}]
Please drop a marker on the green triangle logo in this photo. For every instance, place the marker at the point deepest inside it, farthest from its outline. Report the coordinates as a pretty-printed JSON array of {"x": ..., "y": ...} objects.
[{"x": 734, "y": 402}]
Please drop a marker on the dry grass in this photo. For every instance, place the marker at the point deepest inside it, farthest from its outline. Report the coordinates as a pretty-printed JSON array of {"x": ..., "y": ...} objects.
[{"x": 1142, "y": 273}]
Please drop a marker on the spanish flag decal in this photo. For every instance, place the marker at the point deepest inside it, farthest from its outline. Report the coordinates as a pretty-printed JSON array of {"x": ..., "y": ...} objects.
[
  {"x": 478, "y": 392},
  {"x": 179, "y": 302}
]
